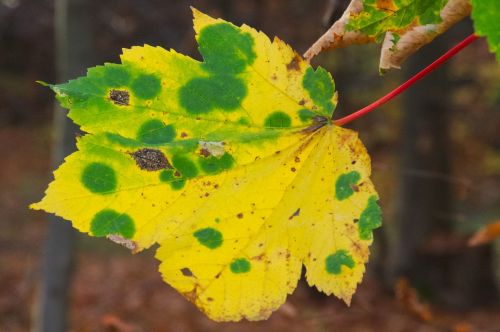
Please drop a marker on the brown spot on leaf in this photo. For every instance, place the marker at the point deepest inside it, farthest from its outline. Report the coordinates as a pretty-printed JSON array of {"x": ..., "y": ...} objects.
[
  {"x": 183, "y": 135},
  {"x": 205, "y": 153},
  {"x": 191, "y": 296},
  {"x": 119, "y": 97},
  {"x": 294, "y": 64},
  {"x": 259, "y": 257},
  {"x": 295, "y": 214},
  {"x": 186, "y": 272},
  {"x": 297, "y": 159},
  {"x": 293, "y": 169},
  {"x": 239, "y": 215},
  {"x": 386, "y": 6},
  {"x": 302, "y": 102},
  {"x": 209, "y": 299},
  {"x": 150, "y": 159}
]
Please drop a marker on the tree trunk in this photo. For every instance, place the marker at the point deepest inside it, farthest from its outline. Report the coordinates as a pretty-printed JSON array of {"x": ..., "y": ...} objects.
[
  {"x": 425, "y": 150},
  {"x": 72, "y": 31}
]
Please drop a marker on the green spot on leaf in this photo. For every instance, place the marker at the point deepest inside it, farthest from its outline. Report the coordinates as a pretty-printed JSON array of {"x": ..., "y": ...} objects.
[
  {"x": 146, "y": 86},
  {"x": 344, "y": 187},
  {"x": 370, "y": 219},
  {"x": 209, "y": 237},
  {"x": 202, "y": 95},
  {"x": 185, "y": 166},
  {"x": 278, "y": 120},
  {"x": 306, "y": 115},
  {"x": 225, "y": 49},
  {"x": 319, "y": 84},
  {"x": 240, "y": 265},
  {"x": 176, "y": 183},
  {"x": 116, "y": 75},
  {"x": 334, "y": 262},
  {"x": 156, "y": 132},
  {"x": 108, "y": 221},
  {"x": 244, "y": 121},
  {"x": 99, "y": 178},
  {"x": 215, "y": 165}
]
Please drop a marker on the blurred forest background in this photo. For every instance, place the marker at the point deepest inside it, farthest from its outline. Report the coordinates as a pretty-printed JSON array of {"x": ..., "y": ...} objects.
[{"x": 436, "y": 164}]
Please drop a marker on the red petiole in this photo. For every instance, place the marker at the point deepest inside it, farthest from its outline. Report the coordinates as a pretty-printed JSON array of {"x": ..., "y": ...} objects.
[{"x": 457, "y": 48}]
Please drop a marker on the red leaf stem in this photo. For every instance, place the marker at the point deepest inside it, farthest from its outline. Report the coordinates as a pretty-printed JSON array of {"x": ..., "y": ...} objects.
[{"x": 457, "y": 48}]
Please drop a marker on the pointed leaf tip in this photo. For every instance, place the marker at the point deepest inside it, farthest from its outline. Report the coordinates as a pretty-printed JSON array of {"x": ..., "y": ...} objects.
[{"x": 43, "y": 83}]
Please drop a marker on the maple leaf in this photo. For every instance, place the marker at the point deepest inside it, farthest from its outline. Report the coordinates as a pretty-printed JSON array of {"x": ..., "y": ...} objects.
[
  {"x": 402, "y": 26},
  {"x": 232, "y": 165},
  {"x": 486, "y": 16}
]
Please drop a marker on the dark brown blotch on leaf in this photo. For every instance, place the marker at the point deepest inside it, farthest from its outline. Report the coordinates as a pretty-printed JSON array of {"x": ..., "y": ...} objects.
[
  {"x": 119, "y": 97},
  {"x": 151, "y": 159}
]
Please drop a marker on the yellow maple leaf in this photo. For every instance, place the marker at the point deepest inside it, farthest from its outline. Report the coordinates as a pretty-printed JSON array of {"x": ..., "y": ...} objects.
[{"x": 232, "y": 165}]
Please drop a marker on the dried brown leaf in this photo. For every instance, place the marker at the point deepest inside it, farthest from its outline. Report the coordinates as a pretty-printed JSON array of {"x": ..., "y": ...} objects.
[
  {"x": 408, "y": 298},
  {"x": 486, "y": 234},
  {"x": 399, "y": 40}
]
